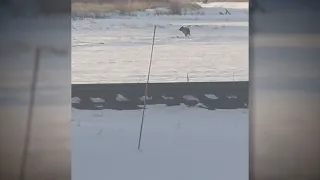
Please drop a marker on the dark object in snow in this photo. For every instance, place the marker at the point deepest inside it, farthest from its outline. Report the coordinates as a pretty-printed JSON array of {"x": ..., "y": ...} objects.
[
  {"x": 227, "y": 12},
  {"x": 185, "y": 31},
  {"x": 205, "y": 1}
]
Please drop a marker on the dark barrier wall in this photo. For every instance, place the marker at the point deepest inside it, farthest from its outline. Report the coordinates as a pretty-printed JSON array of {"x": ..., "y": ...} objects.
[{"x": 209, "y": 95}]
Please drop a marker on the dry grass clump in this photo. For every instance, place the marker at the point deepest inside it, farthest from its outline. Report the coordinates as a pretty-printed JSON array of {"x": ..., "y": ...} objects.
[
  {"x": 175, "y": 6},
  {"x": 191, "y": 6},
  {"x": 135, "y": 6},
  {"x": 92, "y": 7}
]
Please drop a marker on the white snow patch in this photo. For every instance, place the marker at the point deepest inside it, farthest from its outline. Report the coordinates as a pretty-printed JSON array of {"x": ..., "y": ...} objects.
[
  {"x": 120, "y": 97},
  {"x": 98, "y": 100},
  {"x": 201, "y": 105},
  {"x": 147, "y": 98},
  {"x": 211, "y": 96},
  {"x": 75, "y": 100},
  {"x": 178, "y": 143},
  {"x": 232, "y": 97},
  {"x": 190, "y": 98},
  {"x": 167, "y": 98}
]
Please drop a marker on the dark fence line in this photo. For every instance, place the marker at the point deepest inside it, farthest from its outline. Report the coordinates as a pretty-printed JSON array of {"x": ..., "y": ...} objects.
[{"x": 130, "y": 96}]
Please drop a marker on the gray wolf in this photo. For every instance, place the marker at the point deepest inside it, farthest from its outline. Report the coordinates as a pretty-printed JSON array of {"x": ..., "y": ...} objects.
[{"x": 185, "y": 31}]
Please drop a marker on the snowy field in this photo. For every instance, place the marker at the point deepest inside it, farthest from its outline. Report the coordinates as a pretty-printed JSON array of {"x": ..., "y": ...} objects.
[
  {"x": 117, "y": 49},
  {"x": 178, "y": 143}
]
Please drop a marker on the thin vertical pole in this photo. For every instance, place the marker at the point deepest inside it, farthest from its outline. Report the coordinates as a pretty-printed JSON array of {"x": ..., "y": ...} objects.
[
  {"x": 30, "y": 115},
  {"x": 146, "y": 90}
]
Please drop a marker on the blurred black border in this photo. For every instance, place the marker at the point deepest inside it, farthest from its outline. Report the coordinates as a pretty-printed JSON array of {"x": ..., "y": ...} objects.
[
  {"x": 31, "y": 29},
  {"x": 284, "y": 90}
]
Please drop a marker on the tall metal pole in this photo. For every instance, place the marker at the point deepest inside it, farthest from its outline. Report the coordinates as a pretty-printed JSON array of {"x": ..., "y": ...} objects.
[{"x": 146, "y": 90}]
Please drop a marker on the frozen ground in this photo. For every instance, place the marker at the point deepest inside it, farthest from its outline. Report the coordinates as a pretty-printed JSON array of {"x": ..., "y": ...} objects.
[
  {"x": 179, "y": 143},
  {"x": 117, "y": 49}
]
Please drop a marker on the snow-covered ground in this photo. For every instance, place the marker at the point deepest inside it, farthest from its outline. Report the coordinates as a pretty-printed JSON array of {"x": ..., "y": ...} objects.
[
  {"x": 117, "y": 49},
  {"x": 178, "y": 143}
]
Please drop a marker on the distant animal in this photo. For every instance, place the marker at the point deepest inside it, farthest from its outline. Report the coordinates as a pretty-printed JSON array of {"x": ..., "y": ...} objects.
[{"x": 185, "y": 31}]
